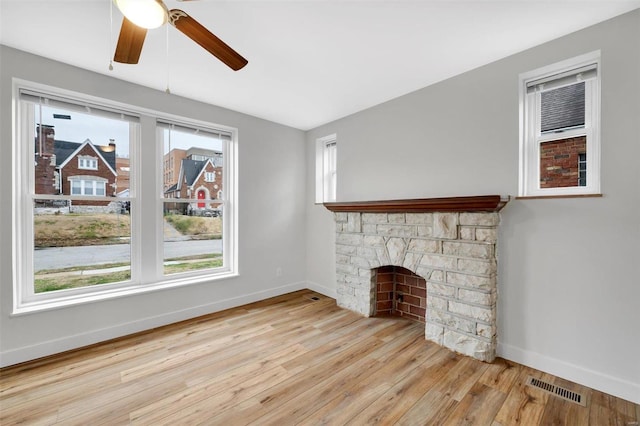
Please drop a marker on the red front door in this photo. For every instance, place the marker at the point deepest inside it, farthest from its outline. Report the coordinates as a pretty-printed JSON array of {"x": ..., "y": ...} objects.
[{"x": 201, "y": 197}]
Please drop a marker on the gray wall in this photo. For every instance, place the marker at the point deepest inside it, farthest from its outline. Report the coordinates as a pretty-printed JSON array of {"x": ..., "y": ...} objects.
[
  {"x": 569, "y": 269},
  {"x": 271, "y": 220}
]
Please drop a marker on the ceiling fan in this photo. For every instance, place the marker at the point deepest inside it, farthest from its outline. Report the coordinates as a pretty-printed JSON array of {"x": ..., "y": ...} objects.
[{"x": 141, "y": 15}]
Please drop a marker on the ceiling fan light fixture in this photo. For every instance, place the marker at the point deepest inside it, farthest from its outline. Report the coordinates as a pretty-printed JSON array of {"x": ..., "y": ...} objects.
[{"x": 144, "y": 13}]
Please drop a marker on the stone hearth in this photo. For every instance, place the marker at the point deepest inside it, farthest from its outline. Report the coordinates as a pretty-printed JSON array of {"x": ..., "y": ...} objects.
[{"x": 451, "y": 243}]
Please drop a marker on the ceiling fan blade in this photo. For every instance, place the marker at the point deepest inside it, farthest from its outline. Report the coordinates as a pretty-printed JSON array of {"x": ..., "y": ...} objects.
[
  {"x": 130, "y": 43},
  {"x": 196, "y": 32}
]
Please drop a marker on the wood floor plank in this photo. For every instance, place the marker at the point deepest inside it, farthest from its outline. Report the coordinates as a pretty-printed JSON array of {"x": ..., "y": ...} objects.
[
  {"x": 293, "y": 359},
  {"x": 478, "y": 407},
  {"x": 559, "y": 411},
  {"x": 602, "y": 413},
  {"x": 501, "y": 374},
  {"x": 431, "y": 409},
  {"x": 302, "y": 405},
  {"x": 524, "y": 404},
  {"x": 360, "y": 395},
  {"x": 163, "y": 407},
  {"x": 324, "y": 366},
  {"x": 222, "y": 399},
  {"x": 406, "y": 391},
  {"x": 168, "y": 362},
  {"x": 460, "y": 378}
]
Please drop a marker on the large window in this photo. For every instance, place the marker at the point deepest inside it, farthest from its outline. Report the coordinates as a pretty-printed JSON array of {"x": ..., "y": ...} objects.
[
  {"x": 326, "y": 169},
  {"x": 88, "y": 186},
  {"x": 74, "y": 233},
  {"x": 86, "y": 227},
  {"x": 193, "y": 205},
  {"x": 559, "y": 147}
]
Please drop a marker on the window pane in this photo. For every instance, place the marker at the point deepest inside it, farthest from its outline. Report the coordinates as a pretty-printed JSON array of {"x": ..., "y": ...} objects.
[
  {"x": 80, "y": 242},
  {"x": 562, "y": 108},
  {"x": 582, "y": 169},
  {"x": 192, "y": 237},
  {"x": 76, "y": 187},
  {"x": 79, "y": 249},
  {"x": 193, "y": 165},
  {"x": 80, "y": 141},
  {"x": 330, "y": 171},
  {"x": 561, "y": 162},
  {"x": 88, "y": 187}
]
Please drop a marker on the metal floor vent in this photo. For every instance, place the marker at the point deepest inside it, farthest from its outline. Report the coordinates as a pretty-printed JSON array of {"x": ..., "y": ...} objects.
[{"x": 558, "y": 391}]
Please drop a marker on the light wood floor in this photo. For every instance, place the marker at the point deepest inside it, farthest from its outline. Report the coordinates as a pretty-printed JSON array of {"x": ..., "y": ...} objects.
[{"x": 288, "y": 360}]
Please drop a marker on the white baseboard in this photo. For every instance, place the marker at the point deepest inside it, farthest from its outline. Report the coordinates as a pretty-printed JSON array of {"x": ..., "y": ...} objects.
[
  {"x": 329, "y": 292},
  {"x": 51, "y": 347},
  {"x": 612, "y": 385}
]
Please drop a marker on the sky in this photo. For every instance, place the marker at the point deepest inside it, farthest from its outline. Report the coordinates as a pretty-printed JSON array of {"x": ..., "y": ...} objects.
[{"x": 100, "y": 130}]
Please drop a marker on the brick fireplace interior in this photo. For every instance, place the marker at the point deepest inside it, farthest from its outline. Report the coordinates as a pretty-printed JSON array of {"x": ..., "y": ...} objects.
[
  {"x": 431, "y": 260},
  {"x": 400, "y": 292}
]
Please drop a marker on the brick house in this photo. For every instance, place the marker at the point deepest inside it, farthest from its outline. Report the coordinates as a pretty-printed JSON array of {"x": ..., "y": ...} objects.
[
  {"x": 73, "y": 168},
  {"x": 563, "y": 161},
  {"x": 123, "y": 170},
  {"x": 199, "y": 180},
  {"x": 173, "y": 162}
]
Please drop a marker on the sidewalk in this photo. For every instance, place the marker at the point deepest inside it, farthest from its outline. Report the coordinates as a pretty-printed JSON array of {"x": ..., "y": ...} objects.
[{"x": 172, "y": 234}]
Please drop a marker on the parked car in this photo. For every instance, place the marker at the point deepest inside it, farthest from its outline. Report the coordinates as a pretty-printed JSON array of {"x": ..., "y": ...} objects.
[{"x": 214, "y": 212}]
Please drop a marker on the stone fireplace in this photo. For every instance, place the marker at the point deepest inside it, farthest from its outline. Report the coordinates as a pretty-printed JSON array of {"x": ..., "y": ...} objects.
[{"x": 450, "y": 243}]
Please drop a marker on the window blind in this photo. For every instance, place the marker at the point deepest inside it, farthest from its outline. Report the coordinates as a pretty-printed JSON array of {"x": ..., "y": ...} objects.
[
  {"x": 54, "y": 101},
  {"x": 587, "y": 72},
  {"x": 215, "y": 133}
]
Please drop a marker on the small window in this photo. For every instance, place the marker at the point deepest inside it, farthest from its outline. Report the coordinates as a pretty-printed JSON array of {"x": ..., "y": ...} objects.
[
  {"x": 559, "y": 147},
  {"x": 326, "y": 169},
  {"x": 88, "y": 163},
  {"x": 582, "y": 169},
  {"x": 209, "y": 176}
]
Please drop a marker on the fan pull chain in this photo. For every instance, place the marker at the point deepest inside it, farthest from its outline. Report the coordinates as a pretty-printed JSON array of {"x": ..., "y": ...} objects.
[
  {"x": 167, "y": 36},
  {"x": 110, "y": 35}
]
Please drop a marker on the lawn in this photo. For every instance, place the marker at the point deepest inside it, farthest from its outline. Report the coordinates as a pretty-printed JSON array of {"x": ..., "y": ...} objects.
[
  {"x": 91, "y": 229},
  {"x": 74, "y": 277},
  {"x": 80, "y": 229},
  {"x": 195, "y": 226},
  {"x": 102, "y": 228}
]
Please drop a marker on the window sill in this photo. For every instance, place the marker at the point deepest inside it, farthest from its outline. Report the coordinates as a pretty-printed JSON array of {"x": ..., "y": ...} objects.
[
  {"x": 109, "y": 294},
  {"x": 540, "y": 197}
]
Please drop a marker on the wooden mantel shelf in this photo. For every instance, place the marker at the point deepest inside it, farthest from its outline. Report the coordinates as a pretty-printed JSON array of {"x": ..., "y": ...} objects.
[{"x": 482, "y": 203}]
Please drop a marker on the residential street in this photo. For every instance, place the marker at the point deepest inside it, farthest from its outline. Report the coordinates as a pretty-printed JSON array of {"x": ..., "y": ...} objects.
[{"x": 63, "y": 257}]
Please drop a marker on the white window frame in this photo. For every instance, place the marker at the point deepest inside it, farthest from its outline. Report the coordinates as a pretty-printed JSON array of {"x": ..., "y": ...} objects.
[
  {"x": 87, "y": 162},
  {"x": 92, "y": 182},
  {"x": 326, "y": 169},
  {"x": 531, "y": 137},
  {"x": 227, "y": 201},
  {"x": 209, "y": 176},
  {"x": 145, "y": 196}
]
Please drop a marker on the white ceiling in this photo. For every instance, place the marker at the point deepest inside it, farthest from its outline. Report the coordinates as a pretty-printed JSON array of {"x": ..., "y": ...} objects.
[{"x": 310, "y": 62}]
